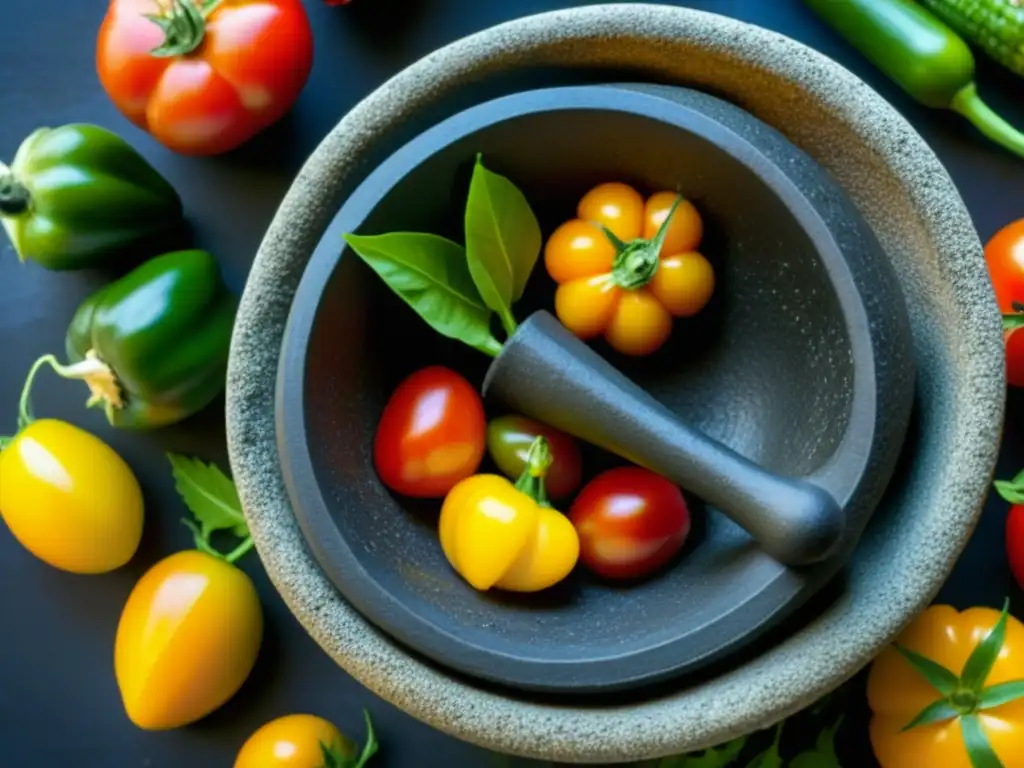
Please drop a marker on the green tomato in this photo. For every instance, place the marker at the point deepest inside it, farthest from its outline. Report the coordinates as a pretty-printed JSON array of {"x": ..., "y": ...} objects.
[{"x": 509, "y": 439}]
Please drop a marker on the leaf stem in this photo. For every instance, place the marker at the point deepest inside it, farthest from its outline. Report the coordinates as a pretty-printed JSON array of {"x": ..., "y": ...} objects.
[{"x": 239, "y": 551}]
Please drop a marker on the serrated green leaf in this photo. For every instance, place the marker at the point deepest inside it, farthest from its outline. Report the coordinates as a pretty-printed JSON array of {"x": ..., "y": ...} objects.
[
  {"x": 431, "y": 275},
  {"x": 943, "y": 680},
  {"x": 210, "y": 496},
  {"x": 721, "y": 756},
  {"x": 1001, "y": 693},
  {"x": 979, "y": 749},
  {"x": 503, "y": 238},
  {"x": 984, "y": 655}
]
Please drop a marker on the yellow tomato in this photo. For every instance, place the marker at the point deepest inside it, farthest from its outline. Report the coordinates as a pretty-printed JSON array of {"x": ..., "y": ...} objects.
[
  {"x": 496, "y": 535},
  {"x": 897, "y": 692},
  {"x": 293, "y": 741},
  {"x": 187, "y": 640},
  {"x": 69, "y": 498}
]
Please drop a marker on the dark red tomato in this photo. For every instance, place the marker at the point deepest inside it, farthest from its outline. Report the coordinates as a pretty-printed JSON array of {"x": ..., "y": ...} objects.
[
  {"x": 509, "y": 439},
  {"x": 1005, "y": 256},
  {"x": 630, "y": 522},
  {"x": 1015, "y": 542},
  {"x": 432, "y": 434}
]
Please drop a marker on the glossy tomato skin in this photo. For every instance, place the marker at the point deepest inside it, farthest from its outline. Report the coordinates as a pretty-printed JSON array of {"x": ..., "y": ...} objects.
[
  {"x": 509, "y": 439},
  {"x": 432, "y": 434},
  {"x": 630, "y": 522},
  {"x": 1004, "y": 254},
  {"x": 69, "y": 499},
  {"x": 187, "y": 639},
  {"x": 292, "y": 741},
  {"x": 246, "y": 74}
]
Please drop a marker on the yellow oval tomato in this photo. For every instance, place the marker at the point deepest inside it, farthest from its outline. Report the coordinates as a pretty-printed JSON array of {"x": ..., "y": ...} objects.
[
  {"x": 293, "y": 741},
  {"x": 69, "y": 499},
  {"x": 187, "y": 640},
  {"x": 897, "y": 692}
]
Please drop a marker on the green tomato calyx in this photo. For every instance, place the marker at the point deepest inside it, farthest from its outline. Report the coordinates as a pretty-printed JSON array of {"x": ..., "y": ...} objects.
[
  {"x": 184, "y": 26},
  {"x": 636, "y": 262},
  {"x": 538, "y": 461},
  {"x": 15, "y": 198},
  {"x": 963, "y": 696}
]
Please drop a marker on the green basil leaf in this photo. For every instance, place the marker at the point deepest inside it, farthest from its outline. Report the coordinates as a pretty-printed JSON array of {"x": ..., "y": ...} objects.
[
  {"x": 984, "y": 656},
  {"x": 721, "y": 756},
  {"x": 944, "y": 681},
  {"x": 430, "y": 274},
  {"x": 979, "y": 750},
  {"x": 503, "y": 239},
  {"x": 1001, "y": 693},
  {"x": 936, "y": 712}
]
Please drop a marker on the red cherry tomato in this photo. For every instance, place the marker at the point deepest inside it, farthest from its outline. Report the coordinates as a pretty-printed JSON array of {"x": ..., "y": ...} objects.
[
  {"x": 1015, "y": 542},
  {"x": 630, "y": 522},
  {"x": 432, "y": 434},
  {"x": 1005, "y": 256}
]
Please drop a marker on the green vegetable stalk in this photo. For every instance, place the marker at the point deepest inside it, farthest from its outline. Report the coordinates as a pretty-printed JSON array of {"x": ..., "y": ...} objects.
[
  {"x": 922, "y": 55},
  {"x": 995, "y": 26},
  {"x": 79, "y": 196},
  {"x": 153, "y": 346}
]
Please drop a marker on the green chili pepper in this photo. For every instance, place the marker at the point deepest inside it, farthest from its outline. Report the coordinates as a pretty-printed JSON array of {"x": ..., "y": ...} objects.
[
  {"x": 153, "y": 346},
  {"x": 922, "y": 55},
  {"x": 78, "y": 196}
]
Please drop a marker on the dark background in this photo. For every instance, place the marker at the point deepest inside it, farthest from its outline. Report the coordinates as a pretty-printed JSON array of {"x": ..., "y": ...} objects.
[{"x": 58, "y": 700}]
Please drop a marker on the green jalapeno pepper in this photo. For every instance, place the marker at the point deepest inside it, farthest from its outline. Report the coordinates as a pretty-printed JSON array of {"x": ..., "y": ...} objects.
[
  {"x": 922, "y": 55},
  {"x": 78, "y": 196},
  {"x": 153, "y": 346}
]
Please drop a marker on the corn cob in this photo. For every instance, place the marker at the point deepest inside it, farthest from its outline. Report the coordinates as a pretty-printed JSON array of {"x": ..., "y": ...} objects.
[{"x": 995, "y": 26}]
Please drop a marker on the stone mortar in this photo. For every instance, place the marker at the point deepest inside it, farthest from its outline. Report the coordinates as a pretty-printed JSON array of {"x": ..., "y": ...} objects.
[{"x": 917, "y": 535}]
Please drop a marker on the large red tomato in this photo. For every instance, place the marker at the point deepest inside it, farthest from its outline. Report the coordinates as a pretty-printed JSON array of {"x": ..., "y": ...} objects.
[
  {"x": 206, "y": 75},
  {"x": 432, "y": 434},
  {"x": 1005, "y": 256},
  {"x": 630, "y": 522}
]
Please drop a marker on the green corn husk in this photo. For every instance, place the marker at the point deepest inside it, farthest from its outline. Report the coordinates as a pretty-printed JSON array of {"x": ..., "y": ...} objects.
[{"x": 995, "y": 26}]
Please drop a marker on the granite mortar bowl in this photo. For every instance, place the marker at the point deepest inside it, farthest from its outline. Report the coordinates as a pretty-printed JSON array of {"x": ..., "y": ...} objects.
[
  {"x": 801, "y": 366},
  {"x": 908, "y": 201}
]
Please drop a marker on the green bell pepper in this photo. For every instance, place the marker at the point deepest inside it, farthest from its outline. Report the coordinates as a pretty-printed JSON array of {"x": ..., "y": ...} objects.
[
  {"x": 79, "y": 195},
  {"x": 922, "y": 55},
  {"x": 153, "y": 346}
]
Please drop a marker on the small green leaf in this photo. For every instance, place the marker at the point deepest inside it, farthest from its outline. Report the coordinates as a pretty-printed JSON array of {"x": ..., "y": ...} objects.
[
  {"x": 430, "y": 274},
  {"x": 984, "y": 656},
  {"x": 824, "y": 753},
  {"x": 721, "y": 756},
  {"x": 978, "y": 747},
  {"x": 210, "y": 496},
  {"x": 944, "y": 681},
  {"x": 1012, "y": 490},
  {"x": 503, "y": 238},
  {"x": 771, "y": 757},
  {"x": 934, "y": 713},
  {"x": 1001, "y": 693}
]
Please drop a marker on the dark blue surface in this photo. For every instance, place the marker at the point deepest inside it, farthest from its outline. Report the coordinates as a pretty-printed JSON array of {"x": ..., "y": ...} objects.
[{"x": 58, "y": 699}]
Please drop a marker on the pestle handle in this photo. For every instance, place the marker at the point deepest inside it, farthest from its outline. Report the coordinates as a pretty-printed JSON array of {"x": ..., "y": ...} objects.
[{"x": 547, "y": 373}]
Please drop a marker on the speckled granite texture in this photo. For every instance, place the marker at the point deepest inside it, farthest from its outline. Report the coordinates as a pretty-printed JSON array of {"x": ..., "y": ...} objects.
[{"x": 909, "y": 549}]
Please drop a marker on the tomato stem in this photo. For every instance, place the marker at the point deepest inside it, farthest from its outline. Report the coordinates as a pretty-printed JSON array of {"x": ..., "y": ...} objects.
[
  {"x": 637, "y": 262},
  {"x": 184, "y": 26},
  {"x": 15, "y": 198},
  {"x": 538, "y": 461},
  {"x": 238, "y": 552}
]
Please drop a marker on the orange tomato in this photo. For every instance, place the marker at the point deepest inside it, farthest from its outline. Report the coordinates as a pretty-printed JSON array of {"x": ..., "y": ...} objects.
[
  {"x": 294, "y": 741},
  {"x": 225, "y": 70},
  {"x": 897, "y": 692},
  {"x": 187, "y": 639},
  {"x": 629, "y": 298}
]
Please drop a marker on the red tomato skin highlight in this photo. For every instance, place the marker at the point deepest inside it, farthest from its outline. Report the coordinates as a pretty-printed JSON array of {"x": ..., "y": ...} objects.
[
  {"x": 630, "y": 521},
  {"x": 432, "y": 434},
  {"x": 1015, "y": 542}
]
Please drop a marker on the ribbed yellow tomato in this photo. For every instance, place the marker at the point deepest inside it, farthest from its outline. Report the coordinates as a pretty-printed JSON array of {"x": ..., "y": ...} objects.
[
  {"x": 69, "y": 498},
  {"x": 187, "y": 640},
  {"x": 293, "y": 741}
]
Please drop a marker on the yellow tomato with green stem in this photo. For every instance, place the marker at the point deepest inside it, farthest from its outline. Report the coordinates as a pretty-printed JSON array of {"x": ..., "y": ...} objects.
[
  {"x": 191, "y": 630},
  {"x": 66, "y": 495},
  {"x": 305, "y": 741},
  {"x": 950, "y": 692}
]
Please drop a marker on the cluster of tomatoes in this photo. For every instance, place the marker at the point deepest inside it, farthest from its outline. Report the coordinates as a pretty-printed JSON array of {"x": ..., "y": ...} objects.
[{"x": 626, "y": 523}]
